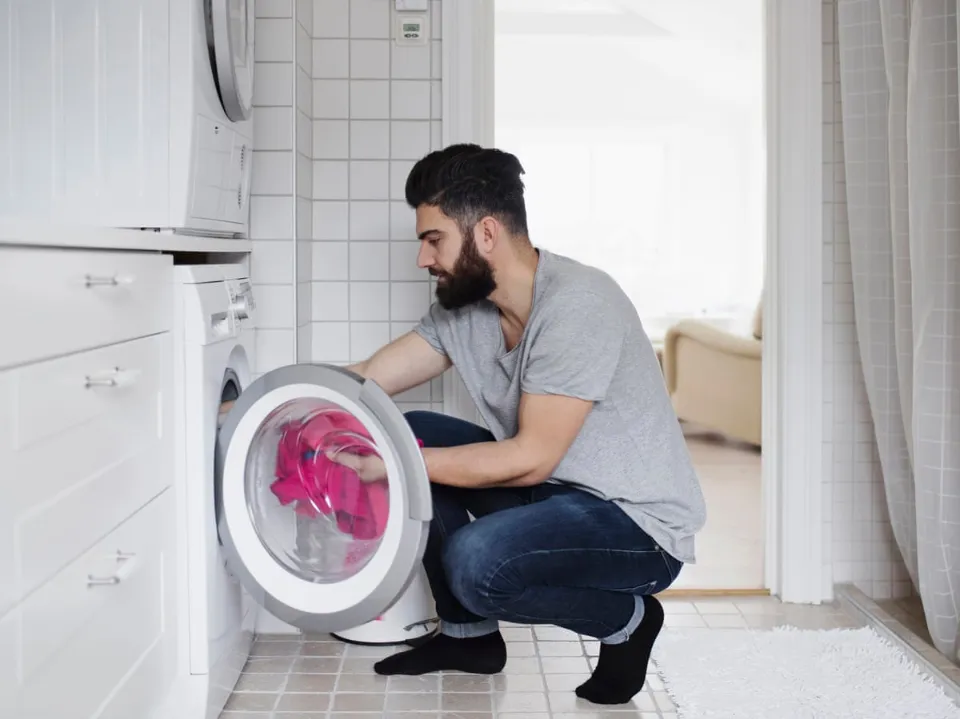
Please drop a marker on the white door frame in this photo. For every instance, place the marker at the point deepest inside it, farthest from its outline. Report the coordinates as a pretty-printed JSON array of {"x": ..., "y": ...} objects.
[{"x": 793, "y": 301}]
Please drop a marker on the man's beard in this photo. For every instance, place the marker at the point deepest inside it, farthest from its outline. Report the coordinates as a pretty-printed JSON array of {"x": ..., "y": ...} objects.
[{"x": 470, "y": 281}]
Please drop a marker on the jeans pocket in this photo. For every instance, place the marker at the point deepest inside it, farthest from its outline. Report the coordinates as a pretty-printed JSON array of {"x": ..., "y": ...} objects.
[{"x": 672, "y": 565}]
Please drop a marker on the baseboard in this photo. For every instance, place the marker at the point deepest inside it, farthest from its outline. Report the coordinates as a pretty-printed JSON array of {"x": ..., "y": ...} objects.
[{"x": 687, "y": 593}]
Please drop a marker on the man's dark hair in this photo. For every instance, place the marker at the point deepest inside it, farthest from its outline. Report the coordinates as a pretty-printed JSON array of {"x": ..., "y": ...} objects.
[{"x": 468, "y": 182}]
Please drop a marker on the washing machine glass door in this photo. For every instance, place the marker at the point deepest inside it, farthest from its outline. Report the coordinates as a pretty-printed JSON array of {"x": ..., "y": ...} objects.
[
  {"x": 230, "y": 34},
  {"x": 325, "y": 501}
]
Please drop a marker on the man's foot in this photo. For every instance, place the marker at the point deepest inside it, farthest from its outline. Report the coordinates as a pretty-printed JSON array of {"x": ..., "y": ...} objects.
[
  {"x": 476, "y": 655},
  {"x": 622, "y": 668}
]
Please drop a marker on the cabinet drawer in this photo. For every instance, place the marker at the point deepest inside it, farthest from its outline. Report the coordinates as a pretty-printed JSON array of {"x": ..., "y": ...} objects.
[
  {"x": 86, "y": 639},
  {"x": 83, "y": 445},
  {"x": 61, "y": 301}
]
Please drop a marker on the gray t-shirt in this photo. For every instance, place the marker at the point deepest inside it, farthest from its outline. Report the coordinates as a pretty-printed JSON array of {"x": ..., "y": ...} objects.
[{"x": 584, "y": 339}]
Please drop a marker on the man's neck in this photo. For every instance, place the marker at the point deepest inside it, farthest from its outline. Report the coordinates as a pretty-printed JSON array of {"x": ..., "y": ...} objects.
[{"x": 514, "y": 293}]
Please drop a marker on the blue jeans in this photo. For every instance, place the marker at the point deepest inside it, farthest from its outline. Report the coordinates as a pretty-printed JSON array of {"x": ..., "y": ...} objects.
[{"x": 549, "y": 554}]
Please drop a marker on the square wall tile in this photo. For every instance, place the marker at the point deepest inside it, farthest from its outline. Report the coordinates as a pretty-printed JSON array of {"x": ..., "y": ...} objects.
[
  {"x": 304, "y": 309},
  {"x": 370, "y": 139},
  {"x": 274, "y": 8},
  {"x": 273, "y": 84},
  {"x": 274, "y": 348},
  {"x": 331, "y": 99},
  {"x": 275, "y": 306},
  {"x": 331, "y": 18},
  {"x": 331, "y": 139},
  {"x": 409, "y": 300},
  {"x": 304, "y": 177},
  {"x": 369, "y": 301},
  {"x": 369, "y": 180},
  {"x": 305, "y": 342},
  {"x": 304, "y": 259},
  {"x": 410, "y": 62},
  {"x": 370, "y": 261},
  {"x": 370, "y": 18},
  {"x": 304, "y": 14},
  {"x": 304, "y": 91},
  {"x": 331, "y": 220},
  {"x": 304, "y": 219},
  {"x": 369, "y": 220},
  {"x": 330, "y": 261},
  {"x": 403, "y": 262},
  {"x": 330, "y": 179},
  {"x": 403, "y": 221},
  {"x": 274, "y": 39},
  {"x": 305, "y": 133},
  {"x": 272, "y": 261},
  {"x": 271, "y": 218},
  {"x": 409, "y": 140},
  {"x": 304, "y": 49},
  {"x": 366, "y": 338},
  {"x": 330, "y": 302},
  {"x": 370, "y": 59},
  {"x": 399, "y": 172},
  {"x": 410, "y": 99},
  {"x": 331, "y": 342},
  {"x": 370, "y": 100},
  {"x": 331, "y": 59},
  {"x": 272, "y": 173}
]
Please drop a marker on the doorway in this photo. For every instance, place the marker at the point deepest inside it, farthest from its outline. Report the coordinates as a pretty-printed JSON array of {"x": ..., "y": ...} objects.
[
  {"x": 639, "y": 124},
  {"x": 797, "y": 565}
]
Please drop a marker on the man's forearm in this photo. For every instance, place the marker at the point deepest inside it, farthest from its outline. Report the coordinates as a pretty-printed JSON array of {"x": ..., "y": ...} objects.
[{"x": 485, "y": 464}]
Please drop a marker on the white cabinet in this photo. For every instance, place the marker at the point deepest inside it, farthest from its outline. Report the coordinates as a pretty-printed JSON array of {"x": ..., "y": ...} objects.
[{"x": 87, "y": 566}]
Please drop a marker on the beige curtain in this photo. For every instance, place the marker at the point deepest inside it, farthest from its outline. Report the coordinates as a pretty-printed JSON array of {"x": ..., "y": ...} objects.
[{"x": 901, "y": 149}]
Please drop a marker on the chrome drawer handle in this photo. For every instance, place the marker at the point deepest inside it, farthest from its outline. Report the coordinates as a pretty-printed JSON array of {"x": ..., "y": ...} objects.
[
  {"x": 127, "y": 562},
  {"x": 115, "y": 377},
  {"x": 102, "y": 281},
  {"x": 93, "y": 581}
]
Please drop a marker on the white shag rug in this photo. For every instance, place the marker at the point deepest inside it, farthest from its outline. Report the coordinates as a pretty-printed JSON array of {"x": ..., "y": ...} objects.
[{"x": 788, "y": 673}]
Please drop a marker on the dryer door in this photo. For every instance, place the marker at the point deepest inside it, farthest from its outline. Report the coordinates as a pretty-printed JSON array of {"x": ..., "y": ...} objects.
[
  {"x": 230, "y": 35},
  {"x": 309, "y": 523}
]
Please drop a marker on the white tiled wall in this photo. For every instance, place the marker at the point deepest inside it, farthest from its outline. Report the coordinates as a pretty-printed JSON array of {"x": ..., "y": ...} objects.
[
  {"x": 858, "y": 541},
  {"x": 376, "y": 110}
]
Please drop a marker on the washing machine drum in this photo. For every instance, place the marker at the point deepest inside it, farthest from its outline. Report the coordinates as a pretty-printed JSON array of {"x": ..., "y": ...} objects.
[{"x": 324, "y": 494}]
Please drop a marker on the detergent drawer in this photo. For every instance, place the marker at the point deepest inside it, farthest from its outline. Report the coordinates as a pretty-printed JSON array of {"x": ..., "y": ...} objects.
[
  {"x": 82, "y": 447},
  {"x": 99, "y": 635},
  {"x": 59, "y": 301}
]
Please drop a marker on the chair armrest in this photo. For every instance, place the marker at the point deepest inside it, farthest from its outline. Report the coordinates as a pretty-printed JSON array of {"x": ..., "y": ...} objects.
[{"x": 712, "y": 337}]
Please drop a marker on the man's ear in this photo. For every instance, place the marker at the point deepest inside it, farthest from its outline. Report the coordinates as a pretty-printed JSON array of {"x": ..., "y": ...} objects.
[{"x": 487, "y": 234}]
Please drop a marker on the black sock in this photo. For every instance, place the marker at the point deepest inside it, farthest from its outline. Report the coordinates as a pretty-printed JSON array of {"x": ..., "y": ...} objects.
[
  {"x": 622, "y": 668},
  {"x": 476, "y": 655}
]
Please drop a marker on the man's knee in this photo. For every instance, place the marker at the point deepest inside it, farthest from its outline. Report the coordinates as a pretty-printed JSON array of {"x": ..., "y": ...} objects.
[{"x": 472, "y": 564}]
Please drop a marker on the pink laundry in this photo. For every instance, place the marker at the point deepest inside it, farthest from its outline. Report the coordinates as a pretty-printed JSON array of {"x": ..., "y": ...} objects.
[{"x": 318, "y": 485}]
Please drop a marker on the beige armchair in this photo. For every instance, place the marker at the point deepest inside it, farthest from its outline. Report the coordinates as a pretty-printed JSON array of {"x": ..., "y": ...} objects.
[{"x": 714, "y": 377}]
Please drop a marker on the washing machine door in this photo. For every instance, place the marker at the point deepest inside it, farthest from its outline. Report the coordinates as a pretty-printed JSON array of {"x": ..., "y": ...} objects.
[
  {"x": 230, "y": 35},
  {"x": 325, "y": 501}
]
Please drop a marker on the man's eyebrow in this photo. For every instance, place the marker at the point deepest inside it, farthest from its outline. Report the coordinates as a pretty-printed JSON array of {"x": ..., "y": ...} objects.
[{"x": 427, "y": 233}]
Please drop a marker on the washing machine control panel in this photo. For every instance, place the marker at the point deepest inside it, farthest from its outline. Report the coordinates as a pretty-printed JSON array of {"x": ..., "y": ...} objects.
[{"x": 242, "y": 302}]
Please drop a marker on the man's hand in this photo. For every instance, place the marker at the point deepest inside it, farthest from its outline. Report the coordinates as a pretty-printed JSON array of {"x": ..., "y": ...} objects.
[{"x": 369, "y": 468}]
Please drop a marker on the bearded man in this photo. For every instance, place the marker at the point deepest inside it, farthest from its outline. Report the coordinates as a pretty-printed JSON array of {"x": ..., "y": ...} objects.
[{"x": 579, "y": 501}]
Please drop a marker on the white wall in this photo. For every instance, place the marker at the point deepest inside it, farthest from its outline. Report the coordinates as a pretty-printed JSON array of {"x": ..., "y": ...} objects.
[
  {"x": 858, "y": 540},
  {"x": 376, "y": 109},
  {"x": 342, "y": 114}
]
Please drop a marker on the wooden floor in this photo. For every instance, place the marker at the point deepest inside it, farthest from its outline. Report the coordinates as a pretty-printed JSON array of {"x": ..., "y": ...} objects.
[{"x": 730, "y": 547}]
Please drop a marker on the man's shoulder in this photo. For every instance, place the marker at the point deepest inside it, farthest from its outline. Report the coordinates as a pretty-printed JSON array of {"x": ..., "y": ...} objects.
[{"x": 570, "y": 284}]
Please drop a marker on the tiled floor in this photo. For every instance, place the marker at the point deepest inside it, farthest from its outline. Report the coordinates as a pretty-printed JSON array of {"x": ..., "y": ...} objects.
[
  {"x": 314, "y": 677},
  {"x": 730, "y": 547}
]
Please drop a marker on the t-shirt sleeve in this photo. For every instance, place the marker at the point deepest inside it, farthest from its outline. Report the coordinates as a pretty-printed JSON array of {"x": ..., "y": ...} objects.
[
  {"x": 429, "y": 327},
  {"x": 576, "y": 350}
]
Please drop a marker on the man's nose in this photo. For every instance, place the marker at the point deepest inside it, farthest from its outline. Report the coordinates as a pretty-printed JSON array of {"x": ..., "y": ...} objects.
[{"x": 425, "y": 258}]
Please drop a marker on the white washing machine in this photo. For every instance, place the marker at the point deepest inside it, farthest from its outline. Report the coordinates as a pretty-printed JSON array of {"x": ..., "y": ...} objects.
[
  {"x": 214, "y": 356},
  {"x": 263, "y": 522},
  {"x": 133, "y": 114}
]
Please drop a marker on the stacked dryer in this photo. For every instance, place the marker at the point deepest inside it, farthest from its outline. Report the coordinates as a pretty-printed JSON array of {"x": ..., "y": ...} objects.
[{"x": 136, "y": 117}]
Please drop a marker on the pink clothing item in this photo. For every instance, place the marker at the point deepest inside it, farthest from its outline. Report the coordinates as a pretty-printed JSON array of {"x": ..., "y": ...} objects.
[{"x": 318, "y": 485}]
